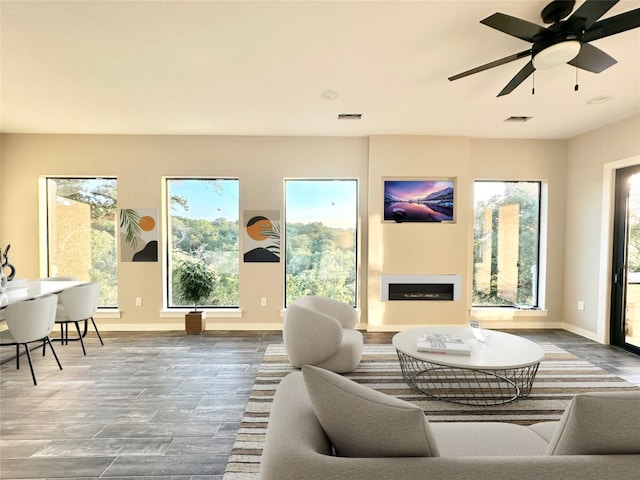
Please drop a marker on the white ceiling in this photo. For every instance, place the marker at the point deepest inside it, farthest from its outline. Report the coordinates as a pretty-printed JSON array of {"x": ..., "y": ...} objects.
[{"x": 258, "y": 68}]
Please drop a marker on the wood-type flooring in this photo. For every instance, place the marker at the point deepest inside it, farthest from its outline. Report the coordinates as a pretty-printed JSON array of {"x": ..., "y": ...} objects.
[{"x": 159, "y": 405}]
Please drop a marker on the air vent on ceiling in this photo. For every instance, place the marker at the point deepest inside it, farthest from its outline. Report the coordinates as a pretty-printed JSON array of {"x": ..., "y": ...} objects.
[
  {"x": 516, "y": 118},
  {"x": 349, "y": 116}
]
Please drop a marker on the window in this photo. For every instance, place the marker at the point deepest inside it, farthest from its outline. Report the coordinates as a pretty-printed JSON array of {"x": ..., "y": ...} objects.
[
  {"x": 81, "y": 232},
  {"x": 321, "y": 218},
  {"x": 506, "y": 243},
  {"x": 202, "y": 225}
]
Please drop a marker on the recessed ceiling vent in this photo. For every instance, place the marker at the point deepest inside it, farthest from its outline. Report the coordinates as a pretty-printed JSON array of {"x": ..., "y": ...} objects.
[
  {"x": 516, "y": 118},
  {"x": 349, "y": 116}
]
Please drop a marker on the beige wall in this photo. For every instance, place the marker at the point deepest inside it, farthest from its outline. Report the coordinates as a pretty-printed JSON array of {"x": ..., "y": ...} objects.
[
  {"x": 139, "y": 163},
  {"x": 591, "y": 162},
  {"x": 572, "y": 170},
  {"x": 438, "y": 249},
  {"x": 417, "y": 248}
]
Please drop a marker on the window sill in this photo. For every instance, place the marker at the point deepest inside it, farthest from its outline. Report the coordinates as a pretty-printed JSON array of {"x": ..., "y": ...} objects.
[
  {"x": 209, "y": 312},
  {"x": 504, "y": 313},
  {"x": 108, "y": 313}
]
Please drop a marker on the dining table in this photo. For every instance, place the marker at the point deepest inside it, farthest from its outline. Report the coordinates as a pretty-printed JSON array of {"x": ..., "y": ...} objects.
[{"x": 21, "y": 289}]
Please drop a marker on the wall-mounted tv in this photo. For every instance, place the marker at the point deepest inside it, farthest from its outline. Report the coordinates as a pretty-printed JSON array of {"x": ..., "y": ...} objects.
[{"x": 419, "y": 200}]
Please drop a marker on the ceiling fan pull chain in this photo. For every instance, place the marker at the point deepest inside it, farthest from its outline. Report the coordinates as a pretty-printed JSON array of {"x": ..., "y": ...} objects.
[
  {"x": 533, "y": 82},
  {"x": 575, "y": 89}
]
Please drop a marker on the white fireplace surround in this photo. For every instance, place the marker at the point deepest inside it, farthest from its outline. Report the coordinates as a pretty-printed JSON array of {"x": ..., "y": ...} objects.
[{"x": 386, "y": 280}]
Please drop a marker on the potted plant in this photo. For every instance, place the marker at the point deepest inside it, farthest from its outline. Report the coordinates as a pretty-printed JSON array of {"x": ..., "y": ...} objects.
[{"x": 195, "y": 284}]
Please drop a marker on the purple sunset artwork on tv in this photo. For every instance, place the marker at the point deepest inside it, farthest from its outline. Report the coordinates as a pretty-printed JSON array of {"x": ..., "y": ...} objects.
[{"x": 418, "y": 200}]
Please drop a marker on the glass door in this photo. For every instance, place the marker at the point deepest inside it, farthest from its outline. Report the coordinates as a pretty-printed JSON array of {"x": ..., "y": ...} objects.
[{"x": 625, "y": 292}]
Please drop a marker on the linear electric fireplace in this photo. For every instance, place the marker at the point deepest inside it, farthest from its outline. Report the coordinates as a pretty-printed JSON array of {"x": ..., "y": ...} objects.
[{"x": 420, "y": 287}]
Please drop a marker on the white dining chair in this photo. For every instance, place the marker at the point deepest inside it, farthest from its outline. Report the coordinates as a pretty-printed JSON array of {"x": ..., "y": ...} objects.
[
  {"x": 75, "y": 305},
  {"x": 30, "y": 321}
]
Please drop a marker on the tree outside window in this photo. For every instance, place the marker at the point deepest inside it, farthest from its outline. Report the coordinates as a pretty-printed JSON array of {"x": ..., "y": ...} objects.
[
  {"x": 203, "y": 226},
  {"x": 81, "y": 232},
  {"x": 321, "y": 239},
  {"x": 506, "y": 243}
]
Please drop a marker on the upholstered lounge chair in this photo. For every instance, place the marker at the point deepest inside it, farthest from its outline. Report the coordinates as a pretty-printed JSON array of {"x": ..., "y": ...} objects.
[{"x": 320, "y": 331}]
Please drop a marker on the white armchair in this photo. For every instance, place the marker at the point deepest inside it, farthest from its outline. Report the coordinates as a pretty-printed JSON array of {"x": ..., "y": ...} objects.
[{"x": 320, "y": 331}]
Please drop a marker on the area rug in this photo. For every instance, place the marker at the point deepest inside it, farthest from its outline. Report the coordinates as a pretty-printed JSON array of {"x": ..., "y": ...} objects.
[{"x": 560, "y": 376}]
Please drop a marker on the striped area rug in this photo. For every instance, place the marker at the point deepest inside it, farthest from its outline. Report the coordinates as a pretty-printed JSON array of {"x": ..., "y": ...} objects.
[{"x": 561, "y": 375}]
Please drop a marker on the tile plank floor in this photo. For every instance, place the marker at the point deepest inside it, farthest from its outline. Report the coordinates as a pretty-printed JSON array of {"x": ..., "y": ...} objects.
[{"x": 159, "y": 405}]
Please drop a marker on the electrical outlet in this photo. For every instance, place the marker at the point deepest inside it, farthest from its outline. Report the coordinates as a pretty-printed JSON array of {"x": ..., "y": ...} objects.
[
  {"x": 138, "y": 301},
  {"x": 580, "y": 305},
  {"x": 263, "y": 301}
]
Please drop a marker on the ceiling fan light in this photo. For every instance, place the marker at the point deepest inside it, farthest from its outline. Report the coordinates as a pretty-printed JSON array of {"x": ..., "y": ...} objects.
[{"x": 557, "y": 54}]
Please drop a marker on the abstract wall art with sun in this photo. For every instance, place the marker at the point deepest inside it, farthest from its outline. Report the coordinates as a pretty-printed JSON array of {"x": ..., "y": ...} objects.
[
  {"x": 261, "y": 236},
  {"x": 138, "y": 235}
]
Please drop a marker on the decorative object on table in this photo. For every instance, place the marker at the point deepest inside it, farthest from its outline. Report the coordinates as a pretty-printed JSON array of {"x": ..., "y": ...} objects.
[
  {"x": 262, "y": 236},
  {"x": 443, "y": 343},
  {"x": 195, "y": 284},
  {"x": 138, "y": 235},
  {"x": 476, "y": 329},
  {"x": 419, "y": 200},
  {"x": 3, "y": 282},
  {"x": 6, "y": 265}
]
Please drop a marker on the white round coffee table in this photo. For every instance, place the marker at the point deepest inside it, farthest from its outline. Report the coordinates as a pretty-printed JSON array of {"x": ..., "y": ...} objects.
[{"x": 498, "y": 370}]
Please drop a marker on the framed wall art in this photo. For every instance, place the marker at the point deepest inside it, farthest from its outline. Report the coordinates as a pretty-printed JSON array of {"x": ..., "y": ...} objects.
[
  {"x": 261, "y": 236},
  {"x": 139, "y": 235}
]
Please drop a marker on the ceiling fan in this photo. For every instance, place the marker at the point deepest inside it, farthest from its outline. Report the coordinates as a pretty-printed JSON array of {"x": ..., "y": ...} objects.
[{"x": 563, "y": 41}]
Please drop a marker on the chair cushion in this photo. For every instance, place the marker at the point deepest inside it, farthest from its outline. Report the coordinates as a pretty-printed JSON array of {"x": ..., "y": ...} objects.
[
  {"x": 361, "y": 422},
  {"x": 310, "y": 337},
  {"x": 348, "y": 355},
  {"x": 599, "y": 424}
]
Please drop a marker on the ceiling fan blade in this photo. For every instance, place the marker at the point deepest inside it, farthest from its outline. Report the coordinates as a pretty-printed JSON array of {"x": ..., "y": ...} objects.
[
  {"x": 516, "y": 27},
  {"x": 592, "y": 59},
  {"x": 592, "y": 10},
  {"x": 612, "y": 25},
  {"x": 520, "y": 77},
  {"x": 495, "y": 63}
]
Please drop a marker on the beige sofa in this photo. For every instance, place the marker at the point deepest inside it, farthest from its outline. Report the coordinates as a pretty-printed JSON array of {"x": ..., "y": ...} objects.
[{"x": 324, "y": 426}]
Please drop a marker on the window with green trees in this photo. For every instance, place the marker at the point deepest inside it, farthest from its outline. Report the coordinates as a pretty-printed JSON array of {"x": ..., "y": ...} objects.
[
  {"x": 506, "y": 243},
  {"x": 81, "y": 232},
  {"x": 321, "y": 218},
  {"x": 202, "y": 225}
]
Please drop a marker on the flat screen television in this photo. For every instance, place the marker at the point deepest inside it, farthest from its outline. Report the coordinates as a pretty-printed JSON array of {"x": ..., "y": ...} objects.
[{"x": 419, "y": 200}]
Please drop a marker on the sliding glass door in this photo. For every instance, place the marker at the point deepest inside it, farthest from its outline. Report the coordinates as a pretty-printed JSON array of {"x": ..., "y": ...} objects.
[{"x": 625, "y": 292}]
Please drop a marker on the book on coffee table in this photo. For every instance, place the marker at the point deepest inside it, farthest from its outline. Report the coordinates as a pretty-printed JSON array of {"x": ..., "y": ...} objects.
[{"x": 443, "y": 343}]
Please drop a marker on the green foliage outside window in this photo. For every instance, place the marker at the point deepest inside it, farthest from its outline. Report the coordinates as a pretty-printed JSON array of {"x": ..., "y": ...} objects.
[
  {"x": 320, "y": 261},
  {"x": 81, "y": 232},
  {"x": 506, "y": 239},
  {"x": 321, "y": 239},
  {"x": 213, "y": 243}
]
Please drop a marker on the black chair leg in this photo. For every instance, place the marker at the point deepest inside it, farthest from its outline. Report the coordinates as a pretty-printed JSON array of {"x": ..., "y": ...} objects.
[
  {"x": 46, "y": 339},
  {"x": 17, "y": 356},
  {"x": 33, "y": 375},
  {"x": 80, "y": 337},
  {"x": 96, "y": 328}
]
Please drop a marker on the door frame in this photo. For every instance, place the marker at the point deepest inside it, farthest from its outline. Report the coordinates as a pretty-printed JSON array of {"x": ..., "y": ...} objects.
[{"x": 619, "y": 249}]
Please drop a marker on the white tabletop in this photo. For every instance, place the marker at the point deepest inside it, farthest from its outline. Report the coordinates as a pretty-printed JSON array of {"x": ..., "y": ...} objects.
[
  {"x": 35, "y": 289},
  {"x": 499, "y": 351}
]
